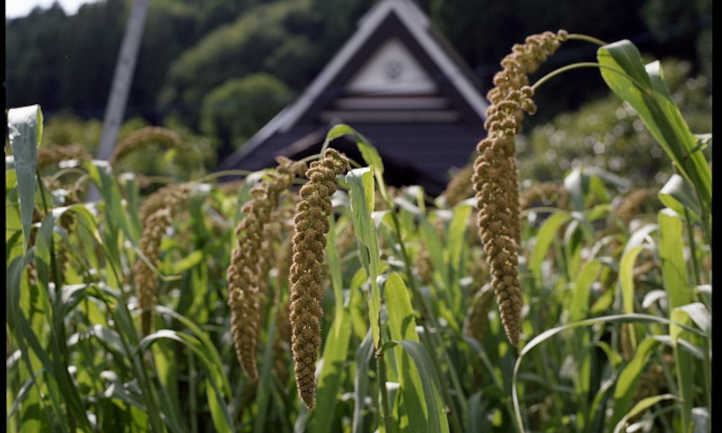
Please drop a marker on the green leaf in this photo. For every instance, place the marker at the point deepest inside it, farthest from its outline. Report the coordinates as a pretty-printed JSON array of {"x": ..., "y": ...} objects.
[
  {"x": 182, "y": 265},
  {"x": 699, "y": 314},
  {"x": 206, "y": 343},
  {"x": 640, "y": 407},
  {"x": 626, "y": 278},
  {"x": 361, "y": 381},
  {"x": 644, "y": 89},
  {"x": 678, "y": 195},
  {"x": 640, "y": 237},
  {"x": 547, "y": 233},
  {"x": 115, "y": 212},
  {"x": 574, "y": 183},
  {"x": 402, "y": 326},
  {"x": 361, "y": 181},
  {"x": 437, "y": 421},
  {"x": 25, "y": 131},
  {"x": 581, "y": 289},
  {"x": 674, "y": 268},
  {"x": 434, "y": 247},
  {"x": 457, "y": 228},
  {"x": 368, "y": 151},
  {"x": 630, "y": 374},
  {"x": 221, "y": 418},
  {"x": 549, "y": 333}
]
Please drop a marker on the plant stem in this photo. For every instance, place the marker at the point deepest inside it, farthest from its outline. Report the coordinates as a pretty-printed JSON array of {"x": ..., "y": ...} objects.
[
  {"x": 222, "y": 173},
  {"x": 193, "y": 404},
  {"x": 389, "y": 426},
  {"x": 692, "y": 246},
  {"x": 579, "y": 65},
  {"x": 582, "y": 37},
  {"x": 427, "y": 334}
]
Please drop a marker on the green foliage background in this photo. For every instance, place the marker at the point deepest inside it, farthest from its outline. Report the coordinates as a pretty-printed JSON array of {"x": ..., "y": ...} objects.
[{"x": 192, "y": 48}]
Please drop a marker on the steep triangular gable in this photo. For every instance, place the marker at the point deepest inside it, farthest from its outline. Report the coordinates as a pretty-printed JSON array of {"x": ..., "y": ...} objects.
[
  {"x": 389, "y": 20},
  {"x": 392, "y": 69}
]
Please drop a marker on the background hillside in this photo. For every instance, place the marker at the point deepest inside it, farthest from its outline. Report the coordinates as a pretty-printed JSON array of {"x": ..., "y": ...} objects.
[{"x": 222, "y": 68}]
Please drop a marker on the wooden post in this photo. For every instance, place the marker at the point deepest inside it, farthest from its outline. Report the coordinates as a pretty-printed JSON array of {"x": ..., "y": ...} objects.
[{"x": 123, "y": 77}]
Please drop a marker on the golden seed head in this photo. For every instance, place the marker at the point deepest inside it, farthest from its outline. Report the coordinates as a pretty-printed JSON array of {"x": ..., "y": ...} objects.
[
  {"x": 495, "y": 177},
  {"x": 146, "y": 282},
  {"x": 545, "y": 192},
  {"x": 477, "y": 322},
  {"x": 47, "y": 157},
  {"x": 251, "y": 261},
  {"x": 144, "y": 137},
  {"x": 307, "y": 270},
  {"x": 634, "y": 202},
  {"x": 171, "y": 197},
  {"x": 460, "y": 187}
]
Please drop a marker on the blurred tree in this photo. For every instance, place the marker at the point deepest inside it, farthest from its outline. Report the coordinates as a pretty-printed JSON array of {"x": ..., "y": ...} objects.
[
  {"x": 34, "y": 57},
  {"x": 289, "y": 39},
  {"x": 66, "y": 128},
  {"x": 192, "y": 47},
  {"x": 684, "y": 27},
  {"x": 90, "y": 43},
  {"x": 235, "y": 110}
]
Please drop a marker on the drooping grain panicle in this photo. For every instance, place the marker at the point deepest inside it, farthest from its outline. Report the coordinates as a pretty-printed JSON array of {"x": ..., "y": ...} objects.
[
  {"x": 424, "y": 266},
  {"x": 307, "y": 270},
  {"x": 52, "y": 155},
  {"x": 156, "y": 215},
  {"x": 170, "y": 197},
  {"x": 495, "y": 177},
  {"x": 633, "y": 203},
  {"x": 146, "y": 282},
  {"x": 476, "y": 322},
  {"x": 545, "y": 192},
  {"x": 144, "y": 137},
  {"x": 247, "y": 273},
  {"x": 459, "y": 187}
]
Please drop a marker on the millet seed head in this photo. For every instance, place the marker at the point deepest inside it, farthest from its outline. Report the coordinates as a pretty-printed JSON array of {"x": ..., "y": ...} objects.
[
  {"x": 495, "y": 177},
  {"x": 307, "y": 270},
  {"x": 251, "y": 260}
]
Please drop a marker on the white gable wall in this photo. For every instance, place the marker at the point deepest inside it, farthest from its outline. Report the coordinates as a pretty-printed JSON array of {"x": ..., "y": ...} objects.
[{"x": 392, "y": 69}]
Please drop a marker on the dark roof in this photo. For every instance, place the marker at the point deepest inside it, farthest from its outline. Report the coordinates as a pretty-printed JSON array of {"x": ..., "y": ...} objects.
[{"x": 424, "y": 140}]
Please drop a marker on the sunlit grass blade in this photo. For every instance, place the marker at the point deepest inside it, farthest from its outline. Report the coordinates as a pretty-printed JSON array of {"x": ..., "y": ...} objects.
[
  {"x": 361, "y": 381},
  {"x": 361, "y": 183},
  {"x": 545, "y": 236},
  {"x": 25, "y": 131},
  {"x": 437, "y": 421},
  {"x": 647, "y": 93},
  {"x": 548, "y": 334},
  {"x": 640, "y": 407}
]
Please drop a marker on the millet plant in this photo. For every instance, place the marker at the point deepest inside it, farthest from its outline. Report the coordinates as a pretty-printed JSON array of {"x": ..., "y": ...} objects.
[{"x": 185, "y": 307}]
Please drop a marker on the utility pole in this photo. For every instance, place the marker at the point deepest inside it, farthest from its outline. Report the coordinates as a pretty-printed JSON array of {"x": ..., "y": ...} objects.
[{"x": 122, "y": 79}]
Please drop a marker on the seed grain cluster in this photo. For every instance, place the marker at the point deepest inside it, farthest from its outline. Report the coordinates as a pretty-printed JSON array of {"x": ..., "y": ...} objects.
[
  {"x": 144, "y": 137},
  {"x": 459, "y": 187},
  {"x": 47, "y": 157},
  {"x": 307, "y": 270},
  {"x": 157, "y": 214},
  {"x": 495, "y": 177},
  {"x": 545, "y": 191},
  {"x": 249, "y": 264},
  {"x": 477, "y": 322}
]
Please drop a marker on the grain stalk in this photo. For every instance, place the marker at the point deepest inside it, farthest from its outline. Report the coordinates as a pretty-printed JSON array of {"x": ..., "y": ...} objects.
[
  {"x": 307, "y": 270},
  {"x": 247, "y": 272}
]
